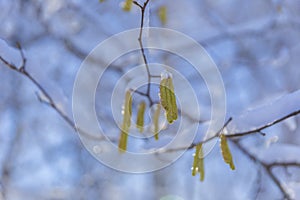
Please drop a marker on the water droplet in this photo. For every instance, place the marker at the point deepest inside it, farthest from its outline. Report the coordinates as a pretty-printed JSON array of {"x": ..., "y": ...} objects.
[
  {"x": 291, "y": 123},
  {"x": 271, "y": 141},
  {"x": 97, "y": 149}
]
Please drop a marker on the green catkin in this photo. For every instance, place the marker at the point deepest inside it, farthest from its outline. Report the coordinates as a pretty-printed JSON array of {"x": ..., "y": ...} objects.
[
  {"x": 127, "y": 112},
  {"x": 201, "y": 164},
  {"x": 127, "y": 5},
  {"x": 168, "y": 99},
  {"x": 198, "y": 164},
  {"x": 156, "y": 121},
  {"x": 163, "y": 94},
  {"x": 196, "y": 160},
  {"x": 162, "y": 13},
  {"x": 140, "y": 116},
  {"x": 174, "y": 109},
  {"x": 226, "y": 152}
]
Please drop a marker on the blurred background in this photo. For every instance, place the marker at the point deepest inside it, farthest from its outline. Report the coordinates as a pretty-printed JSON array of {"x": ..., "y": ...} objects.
[{"x": 255, "y": 45}]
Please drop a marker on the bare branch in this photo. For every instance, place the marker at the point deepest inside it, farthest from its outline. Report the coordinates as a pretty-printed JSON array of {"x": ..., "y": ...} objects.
[
  {"x": 241, "y": 134},
  {"x": 140, "y": 39},
  {"x": 284, "y": 164},
  {"x": 195, "y": 144},
  {"x": 258, "y": 130},
  {"x": 49, "y": 100},
  {"x": 139, "y": 5}
]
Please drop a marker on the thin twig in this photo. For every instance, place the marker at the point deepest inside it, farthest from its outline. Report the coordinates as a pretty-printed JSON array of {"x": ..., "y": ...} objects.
[
  {"x": 241, "y": 134},
  {"x": 139, "y": 92},
  {"x": 155, "y": 76},
  {"x": 48, "y": 100},
  {"x": 201, "y": 142},
  {"x": 259, "y": 129},
  {"x": 284, "y": 164},
  {"x": 140, "y": 39}
]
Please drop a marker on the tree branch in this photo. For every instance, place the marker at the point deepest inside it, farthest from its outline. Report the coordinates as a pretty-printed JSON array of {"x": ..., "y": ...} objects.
[
  {"x": 284, "y": 164},
  {"x": 201, "y": 142},
  {"x": 233, "y": 135},
  {"x": 140, "y": 39},
  {"x": 49, "y": 100},
  {"x": 259, "y": 129}
]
